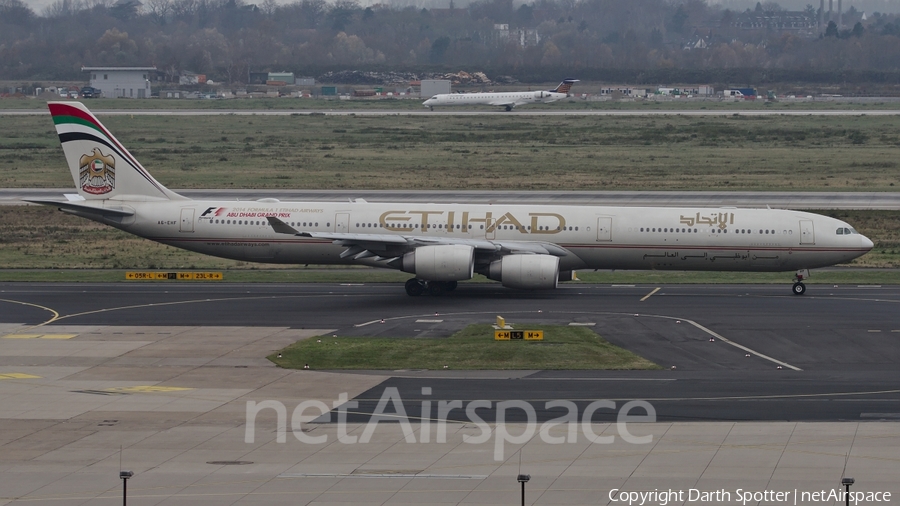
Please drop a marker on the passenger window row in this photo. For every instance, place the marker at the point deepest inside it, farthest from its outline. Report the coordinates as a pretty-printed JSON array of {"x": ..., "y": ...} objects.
[
  {"x": 713, "y": 230},
  {"x": 256, "y": 222},
  {"x": 458, "y": 227}
]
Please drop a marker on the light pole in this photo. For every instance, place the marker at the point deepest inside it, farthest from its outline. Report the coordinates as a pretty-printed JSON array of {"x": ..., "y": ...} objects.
[
  {"x": 125, "y": 475},
  {"x": 847, "y": 482},
  {"x": 523, "y": 479}
]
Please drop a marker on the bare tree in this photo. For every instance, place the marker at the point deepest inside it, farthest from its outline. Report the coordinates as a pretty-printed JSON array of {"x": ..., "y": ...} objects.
[
  {"x": 183, "y": 9},
  {"x": 268, "y": 7},
  {"x": 159, "y": 10}
]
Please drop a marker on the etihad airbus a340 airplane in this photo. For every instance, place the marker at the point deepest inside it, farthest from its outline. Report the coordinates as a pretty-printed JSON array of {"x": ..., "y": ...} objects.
[
  {"x": 521, "y": 246},
  {"x": 507, "y": 99}
]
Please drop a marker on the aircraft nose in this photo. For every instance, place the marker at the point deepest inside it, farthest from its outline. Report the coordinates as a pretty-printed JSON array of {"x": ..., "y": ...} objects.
[{"x": 866, "y": 242}]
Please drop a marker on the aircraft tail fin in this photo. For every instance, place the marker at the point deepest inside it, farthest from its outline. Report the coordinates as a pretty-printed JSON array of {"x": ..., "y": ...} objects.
[
  {"x": 101, "y": 167},
  {"x": 565, "y": 86}
]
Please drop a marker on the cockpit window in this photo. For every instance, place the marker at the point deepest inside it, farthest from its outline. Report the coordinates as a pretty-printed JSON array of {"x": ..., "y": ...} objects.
[
  {"x": 840, "y": 231},
  {"x": 846, "y": 231}
]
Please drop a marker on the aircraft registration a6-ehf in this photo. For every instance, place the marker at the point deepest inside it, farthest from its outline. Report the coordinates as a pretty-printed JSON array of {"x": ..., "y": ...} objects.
[
  {"x": 521, "y": 246},
  {"x": 507, "y": 99}
]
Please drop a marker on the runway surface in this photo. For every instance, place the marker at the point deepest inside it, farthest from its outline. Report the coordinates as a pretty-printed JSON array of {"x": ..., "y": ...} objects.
[
  {"x": 739, "y": 352},
  {"x": 778, "y": 200}
]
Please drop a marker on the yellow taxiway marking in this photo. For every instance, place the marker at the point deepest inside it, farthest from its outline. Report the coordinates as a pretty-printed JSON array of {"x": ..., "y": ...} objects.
[
  {"x": 17, "y": 376},
  {"x": 147, "y": 389},
  {"x": 39, "y": 336},
  {"x": 650, "y": 294},
  {"x": 45, "y": 308}
]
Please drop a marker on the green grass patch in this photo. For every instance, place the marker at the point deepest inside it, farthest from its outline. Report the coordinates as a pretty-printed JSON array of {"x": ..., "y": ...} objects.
[{"x": 471, "y": 348}]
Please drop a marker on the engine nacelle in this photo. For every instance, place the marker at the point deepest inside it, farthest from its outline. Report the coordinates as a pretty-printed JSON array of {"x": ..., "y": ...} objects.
[
  {"x": 444, "y": 262},
  {"x": 540, "y": 94},
  {"x": 531, "y": 272}
]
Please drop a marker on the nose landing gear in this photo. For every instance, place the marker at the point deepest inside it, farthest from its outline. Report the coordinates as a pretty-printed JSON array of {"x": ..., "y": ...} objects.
[{"x": 799, "y": 288}]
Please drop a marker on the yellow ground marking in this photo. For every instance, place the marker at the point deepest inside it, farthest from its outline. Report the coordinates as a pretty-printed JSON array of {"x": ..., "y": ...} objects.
[
  {"x": 39, "y": 336},
  {"x": 57, "y": 317},
  {"x": 147, "y": 389},
  {"x": 17, "y": 376},
  {"x": 650, "y": 294},
  {"x": 157, "y": 275},
  {"x": 45, "y": 308}
]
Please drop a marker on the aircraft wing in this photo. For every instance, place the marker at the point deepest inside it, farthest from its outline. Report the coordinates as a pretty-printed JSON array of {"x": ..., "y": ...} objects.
[
  {"x": 503, "y": 102},
  {"x": 383, "y": 246}
]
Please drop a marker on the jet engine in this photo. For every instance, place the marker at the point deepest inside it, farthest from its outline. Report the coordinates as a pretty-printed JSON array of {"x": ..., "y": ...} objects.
[
  {"x": 540, "y": 94},
  {"x": 526, "y": 271},
  {"x": 445, "y": 262}
]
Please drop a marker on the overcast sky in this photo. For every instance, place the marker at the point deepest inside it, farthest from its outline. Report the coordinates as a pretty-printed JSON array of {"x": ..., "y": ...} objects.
[{"x": 869, "y": 6}]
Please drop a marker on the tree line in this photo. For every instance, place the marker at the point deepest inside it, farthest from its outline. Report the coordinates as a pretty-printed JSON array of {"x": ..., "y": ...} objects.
[{"x": 637, "y": 41}]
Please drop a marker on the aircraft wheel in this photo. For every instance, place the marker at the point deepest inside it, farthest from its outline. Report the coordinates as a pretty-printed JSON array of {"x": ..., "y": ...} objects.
[
  {"x": 414, "y": 287},
  {"x": 436, "y": 288},
  {"x": 799, "y": 288},
  {"x": 508, "y": 108},
  {"x": 451, "y": 285}
]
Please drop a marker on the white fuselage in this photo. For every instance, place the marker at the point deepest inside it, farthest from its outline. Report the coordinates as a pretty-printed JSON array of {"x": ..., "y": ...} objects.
[
  {"x": 723, "y": 239},
  {"x": 510, "y": 99}
]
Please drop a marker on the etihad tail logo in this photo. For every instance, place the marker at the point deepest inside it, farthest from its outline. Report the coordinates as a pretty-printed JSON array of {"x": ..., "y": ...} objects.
[{"x": 98, "y": 173}]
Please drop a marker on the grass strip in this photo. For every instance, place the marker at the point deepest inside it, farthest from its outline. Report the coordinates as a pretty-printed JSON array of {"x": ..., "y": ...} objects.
[
  {"x": 471, "y": 348},
  {"x": 492, "y": 152}
]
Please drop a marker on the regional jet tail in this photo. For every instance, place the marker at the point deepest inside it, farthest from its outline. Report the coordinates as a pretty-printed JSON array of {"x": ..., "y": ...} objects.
[
  {"x": 507, "y": 100},
  {"x": 521, "y": 246}
]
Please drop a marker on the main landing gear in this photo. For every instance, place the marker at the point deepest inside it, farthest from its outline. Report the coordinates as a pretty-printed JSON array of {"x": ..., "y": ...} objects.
[
  {"x": 799, "y": 288},
  {"x": 416, "y": 287}
]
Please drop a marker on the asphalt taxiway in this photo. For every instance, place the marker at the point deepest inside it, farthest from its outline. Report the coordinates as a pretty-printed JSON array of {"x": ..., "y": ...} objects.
[
  {"x": 729, "y": 352},
  {"x": 161, "y": 379}
]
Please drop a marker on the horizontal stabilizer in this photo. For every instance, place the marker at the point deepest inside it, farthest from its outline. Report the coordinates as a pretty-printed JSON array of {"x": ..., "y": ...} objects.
[{"x": 85, "y": 209}]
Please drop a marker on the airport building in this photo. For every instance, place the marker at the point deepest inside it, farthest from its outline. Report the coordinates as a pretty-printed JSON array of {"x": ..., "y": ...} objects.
[{"x": 121, "y": 82}]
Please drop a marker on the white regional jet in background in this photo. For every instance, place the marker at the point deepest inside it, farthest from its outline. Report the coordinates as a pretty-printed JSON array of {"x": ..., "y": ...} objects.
[
  {"x": 521, "y": 246},
  {"x": 507, "y": 99}
]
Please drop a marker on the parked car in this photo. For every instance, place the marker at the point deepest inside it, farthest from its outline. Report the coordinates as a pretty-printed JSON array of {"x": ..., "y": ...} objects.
[{"x": 89, "y": 92}]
